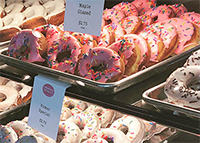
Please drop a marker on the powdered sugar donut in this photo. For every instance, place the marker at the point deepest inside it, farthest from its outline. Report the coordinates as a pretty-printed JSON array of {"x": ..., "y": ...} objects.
[
  {"x": 64, "y": 54},
  {"x": 101, "y": 64},
  {"x": 7, "y": 134},
  {"x": 177, "y": 87},
  {"x": 69, "y": 132},
  {"x": 21, "y": 128},
  {"x": 131, "y": 127}
]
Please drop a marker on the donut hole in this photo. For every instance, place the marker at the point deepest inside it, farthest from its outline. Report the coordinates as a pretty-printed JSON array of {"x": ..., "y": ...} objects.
[
  {"x": 155, "y": 18},
  {"x": 2, "y": 97},
  {"x": 62, "y": 56},
  {"x": 108, "y": 21},
  {"x": 124, "y": 129},
  {"x": 23, "y": 49},
  {"x": 110, "y": 140},
  {"x": 101, "y": 67}
]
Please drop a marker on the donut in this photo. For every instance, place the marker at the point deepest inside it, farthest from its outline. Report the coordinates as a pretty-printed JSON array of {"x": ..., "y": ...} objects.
[
  {"x": 111, "y": 135},
  {"x": 101, "y": 64},
  {"x": 131, "y": 126},
  {"x": 21, "y": 128},
  {"x": 145, "y": 52},
  {"x": 131, "y": 24},
  {"x": 30, "y": 138},
  {"x": 45, "y": 138},
  {"x": 106, "y": 116},
  {"x": 55, "y": 11},
  {"x": 95, "y": 140},
  {"x": 85, "y": 40},
  {"x": 7, "y": 32},
  {"x": 65, "y": 113},
  {"x": 157, "y": 14},
  {"x": 51, "y": 32},
  {"x": 178, "y": 87},
  {"x": 144, "y": 5},
  {"x": 112, "y": 15},
  {"x": 10, "y": 97},
  {"x": 13, "y": 19},
  {"x": 69, "y": 132},
  {"x": 127, "y": 8},
  {"x": 2, "y": 3},
  {"x": 186, "y": 32},
  {"x": 178, "y": 8},
  {"x": 193, "y": 59},
  {"x": 29, "y": 46},
  {"x": 64, "y": 54},
  {"x": 192, "y": 17},
  {"x": 17, "y": 7},
  {"x": 8, "y": 135},
  {"x": 87, "y": 121}
]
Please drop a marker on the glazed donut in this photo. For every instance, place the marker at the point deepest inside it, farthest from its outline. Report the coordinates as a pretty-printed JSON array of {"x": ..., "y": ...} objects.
[
  {"x": 85, "y": 40},
  {"x": 101, "y": 64},
  {"x": 106, "y": 116},
  {"x": 28, "y": 45},
  {"x": 7, "y": 32},
  {"x": 156, "y": 45},
  {"x": 69, "y": 132},
  {"x": 131, "y": 24},
  {"x": 132, "y": 127},
  {"x": 144, "y": 5},
  {"x": 127, "y": 8},
  {"x": 178, "y": 87},
  {"x": 21, "y": 128},
  {"x": 192, "y": 17},
  {"x": 111, "y": 135},
  {"x": 13, "y": 19},
  {"x": 186, "y": 32},
  {"x": 64, "y": 54},
  {"x": 45, "y": 138},
  {"x": 30, "y": 138},
  {"x": 179, "y": 9},
  {"x": 157, "y": 14},
  {"x": 55, "y": 11},
  {"x": 10, "y": 97},
  {"x": 87, "y": 121},
  {"x": 193, "y": 59},
  {"x": 51, "y": 32},
  {"x": 8, "y": 135}
]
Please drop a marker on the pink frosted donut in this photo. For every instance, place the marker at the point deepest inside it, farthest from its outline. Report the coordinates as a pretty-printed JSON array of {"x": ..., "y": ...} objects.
[
  {"x": 85, "y": 40},
  {"x": 28, "y": 45},
  {"x": 51, "y": 32},
  {"x": 113, "y": 15},
  {"x": 192, "y": 17},
  {"x": 144, "y": 5},
  {"x": 127, "y": 8},
  {"x": 64, "y": 53},
  {"x": 157, "y": 14},
  {"x": 179, "y": 9},
  {"x": 8, "y": 135},
  {"x": 101, "y": 64}
]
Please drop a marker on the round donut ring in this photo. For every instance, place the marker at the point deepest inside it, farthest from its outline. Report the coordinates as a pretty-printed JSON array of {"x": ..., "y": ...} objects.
[
  {"x": 7, "y": 134},
  {"x": 11, "y": 96},
  {"x": 178, "y": 87}
]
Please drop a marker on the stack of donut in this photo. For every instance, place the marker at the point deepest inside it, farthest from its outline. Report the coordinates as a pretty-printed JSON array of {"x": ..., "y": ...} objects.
[
  {"x": 182, "y": 86},
  {"x": 84, "y": 122},
  {"x": 13, "y": 93},
  {"x": 17, "y": 15},
  {"x": 134, "y": 36}
]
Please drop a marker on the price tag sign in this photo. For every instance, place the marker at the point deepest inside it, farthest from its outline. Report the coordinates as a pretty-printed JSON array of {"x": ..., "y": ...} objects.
[
  {"x": 46, "y": 105},
  {"x": 84, "y": 16}
]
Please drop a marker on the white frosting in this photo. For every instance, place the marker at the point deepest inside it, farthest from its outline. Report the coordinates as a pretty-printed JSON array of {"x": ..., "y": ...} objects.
[
  {"x": 2, "y": 3},
  {"x": 34, "y": 11},
  {"x": 14, "y": 8},
  {"x": 1, "y": 23},
  {"x": 14, "y": 19}
]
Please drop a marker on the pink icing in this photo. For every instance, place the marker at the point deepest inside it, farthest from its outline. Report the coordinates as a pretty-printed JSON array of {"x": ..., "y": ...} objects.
[
  {"x": 127, "y": 8},
  {"x": 113, "y": 15},
  {"x": 64, "y": 43},
  {"x": 144, "y": 5},
  {"x": 50, "y": 31},
  {"x": 129, "y": 24},
  {"x": 28, "y": 39},
  {"x": 179, "y": 9},
  {"x": 192, "y": 17},
  {"x": 96, "y": 57},
  {"x": 105, "y": 37},
  {"x": 161, "y": 12},
  {"x": 185, "y": 31}
]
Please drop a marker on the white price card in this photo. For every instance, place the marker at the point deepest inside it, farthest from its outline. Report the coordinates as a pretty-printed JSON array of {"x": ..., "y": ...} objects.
[
  {"x": 46, "y": 105},
  {"x": 84, "y": 16}
]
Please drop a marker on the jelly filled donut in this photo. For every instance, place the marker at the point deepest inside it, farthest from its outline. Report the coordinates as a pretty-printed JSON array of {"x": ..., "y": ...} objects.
[
  {"x": 178, "y": 87},
  {"x": 101, "y": 64},
  {"x": 28, "y": 45},
  {"x": 64, "y": 54},
  {"x": 8, "y": 135}
]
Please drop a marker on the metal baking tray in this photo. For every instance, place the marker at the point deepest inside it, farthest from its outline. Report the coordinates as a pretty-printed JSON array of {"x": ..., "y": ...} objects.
[
  {"x": 158, "y": 98},
  {"x": 97, "y": 87}
]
